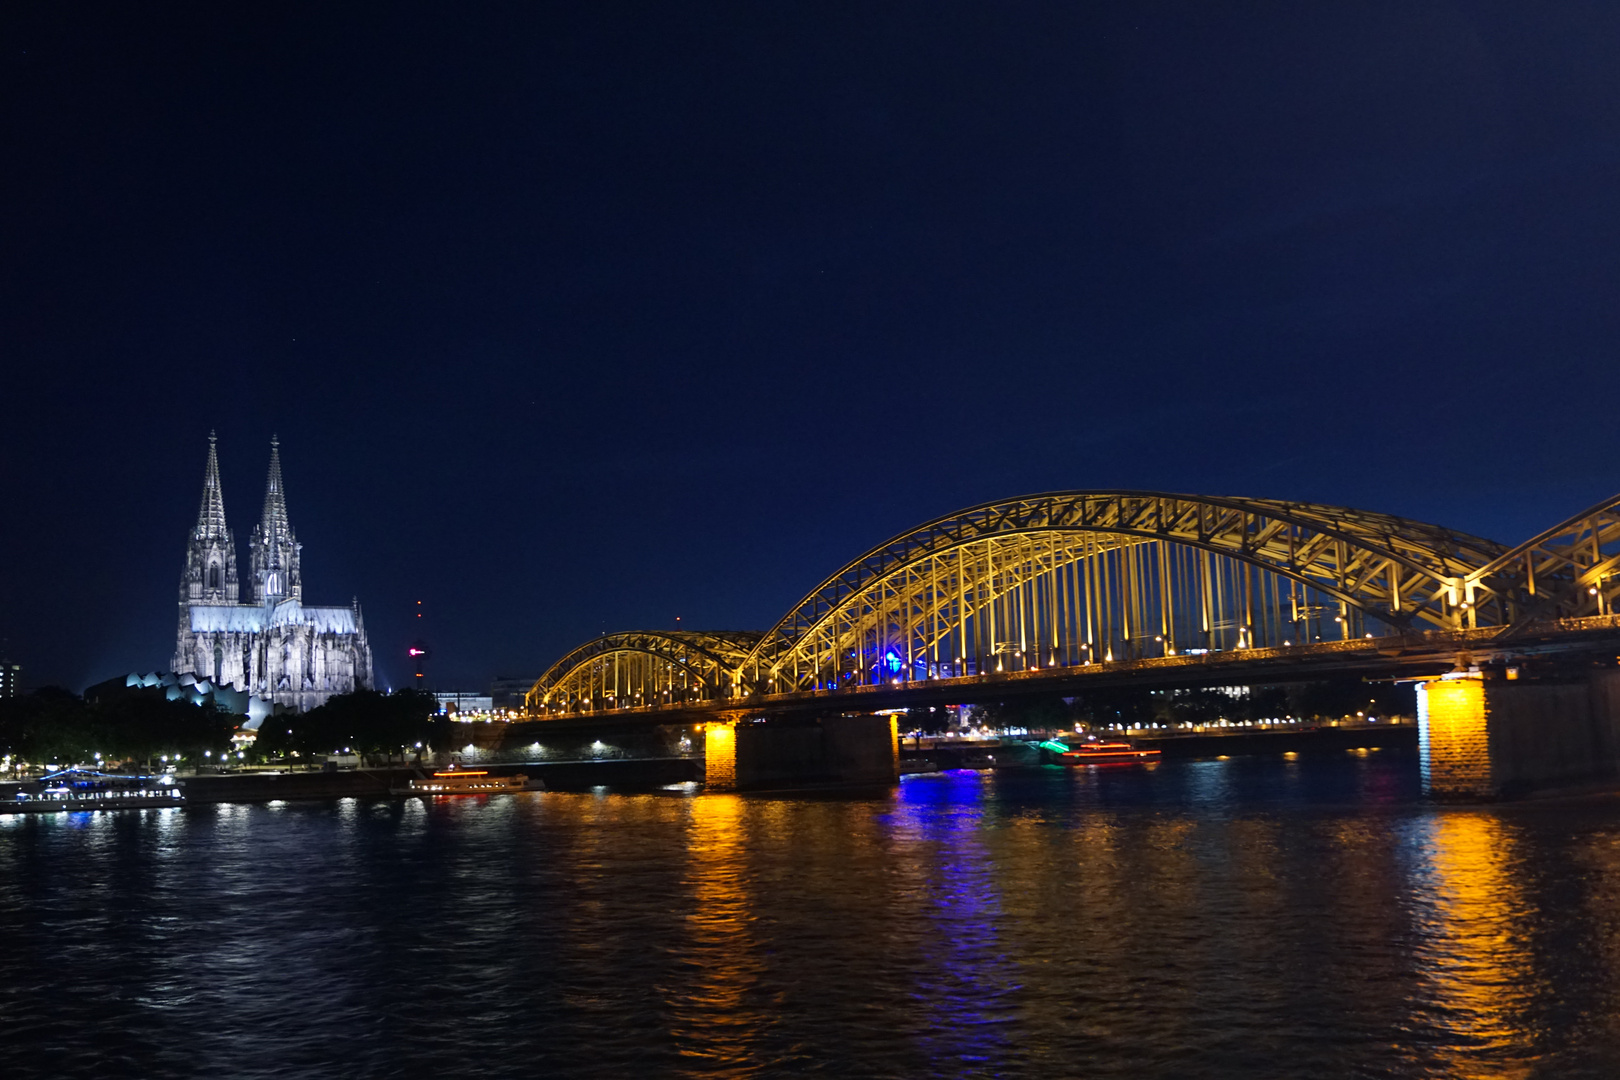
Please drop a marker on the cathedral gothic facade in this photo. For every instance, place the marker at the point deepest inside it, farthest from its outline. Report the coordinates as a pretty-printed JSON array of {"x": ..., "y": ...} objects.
[{"x": 271, "y": 645}]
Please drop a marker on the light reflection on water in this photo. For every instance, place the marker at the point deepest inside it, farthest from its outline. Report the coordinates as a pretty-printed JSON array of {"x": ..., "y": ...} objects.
[
  {"x": 1253, "y": 917},
  {"x": 714, "y": 1013},
  {"x": 1477, "y": 984},
  {"x": 966, "y": 986}
]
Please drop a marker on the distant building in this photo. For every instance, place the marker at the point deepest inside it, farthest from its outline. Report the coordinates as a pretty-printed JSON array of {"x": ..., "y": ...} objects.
[
  {"x": 457, "y": 701},
  {"x": 508, "y": 693},
  {"x": 10, "y": 679},
  {"x": 272, "y": 647}
]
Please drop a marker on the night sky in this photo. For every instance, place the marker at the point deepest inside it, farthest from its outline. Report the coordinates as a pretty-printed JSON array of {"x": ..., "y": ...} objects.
[{"x": 581, "y": 317}]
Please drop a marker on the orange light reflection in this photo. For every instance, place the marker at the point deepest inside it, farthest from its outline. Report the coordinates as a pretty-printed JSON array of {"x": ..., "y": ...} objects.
[
  {"x": 715, "y": 1018},
  {"x": 1478, "y": 980}
]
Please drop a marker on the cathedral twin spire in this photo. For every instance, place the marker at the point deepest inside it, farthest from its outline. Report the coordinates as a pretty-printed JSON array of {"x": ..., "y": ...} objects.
[
  {"x": 211, "y": 516},
  {"x": 210, "y": 574},
  {"x": 273, "y": 547}
]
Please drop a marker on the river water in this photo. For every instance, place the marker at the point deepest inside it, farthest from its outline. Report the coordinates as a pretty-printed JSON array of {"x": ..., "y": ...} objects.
[{"x": 1243, "y": 918}]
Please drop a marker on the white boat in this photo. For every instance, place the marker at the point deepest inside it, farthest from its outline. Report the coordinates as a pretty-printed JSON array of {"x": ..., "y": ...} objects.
[
  {"x": 90, "y": 789},
  {"x": 468, "y": 782},
  {"x": 50, "y": 801}
]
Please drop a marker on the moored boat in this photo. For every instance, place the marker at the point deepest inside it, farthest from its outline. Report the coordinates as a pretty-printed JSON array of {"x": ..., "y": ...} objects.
[
  {"x": 1105, "y": 753},
  {"x": 468, "y": 782},
  {"x": 91, "y": 789}
]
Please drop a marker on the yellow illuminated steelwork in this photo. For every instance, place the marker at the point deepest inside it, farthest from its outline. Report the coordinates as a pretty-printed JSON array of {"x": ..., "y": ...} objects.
[
  {"x": 1570, "y": 571},
  {"x": 1052, "y": 580},
  {"x": 1077, "y": 578},
  {"x": 640, "y": 669}
]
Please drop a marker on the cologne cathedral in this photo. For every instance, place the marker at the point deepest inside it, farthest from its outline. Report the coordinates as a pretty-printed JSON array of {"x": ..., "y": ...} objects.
[{"x": 271, "y": 646}]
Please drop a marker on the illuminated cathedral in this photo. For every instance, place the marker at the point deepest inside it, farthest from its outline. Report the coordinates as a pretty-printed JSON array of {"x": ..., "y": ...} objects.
[{"x": 272, "y": 646}]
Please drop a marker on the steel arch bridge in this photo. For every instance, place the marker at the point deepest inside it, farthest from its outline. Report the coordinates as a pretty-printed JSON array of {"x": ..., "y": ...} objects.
[
  {"x": 1104, "y": 578},
  {"x": 641, "y": 668}
]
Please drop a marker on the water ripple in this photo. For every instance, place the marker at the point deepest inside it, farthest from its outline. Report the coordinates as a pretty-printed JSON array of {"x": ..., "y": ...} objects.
[{"x": 1246, "y": 918}]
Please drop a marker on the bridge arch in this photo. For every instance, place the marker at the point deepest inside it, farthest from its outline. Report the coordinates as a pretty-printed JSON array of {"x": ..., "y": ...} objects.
[
  {"x": 1081, "y": 576},
  {"x": 1570, "y": 571},
  {"x": 641, "y": 668}
]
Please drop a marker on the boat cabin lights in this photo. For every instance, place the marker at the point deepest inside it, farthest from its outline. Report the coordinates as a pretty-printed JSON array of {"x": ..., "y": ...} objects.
[{"x": 463, "y": 772}]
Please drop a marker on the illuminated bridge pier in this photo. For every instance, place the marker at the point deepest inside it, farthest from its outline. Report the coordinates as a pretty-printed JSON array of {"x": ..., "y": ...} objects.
[
  {"x": 1068, "y": 590},
  {"x": 1484, "y": 735},
  {"x": 746, "y": 753}
]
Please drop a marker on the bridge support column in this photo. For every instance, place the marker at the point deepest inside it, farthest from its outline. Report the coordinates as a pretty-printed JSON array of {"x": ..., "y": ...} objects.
[
  {"x": 720, "y": 755},
  {"x": 1491, "y": 738},
  {"x": 832, "y": 751}
]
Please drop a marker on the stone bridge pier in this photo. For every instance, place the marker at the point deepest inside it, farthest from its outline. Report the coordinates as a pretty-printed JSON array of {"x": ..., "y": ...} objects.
[
  {"x": 746, "y": 753},
  {"x": 1490, "y": 734}
]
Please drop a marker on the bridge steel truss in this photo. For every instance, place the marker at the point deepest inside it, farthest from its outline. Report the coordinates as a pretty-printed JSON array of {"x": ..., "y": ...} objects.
[
  {"x": 640, "y": 669},
  {"x": 1570, "y": 571},
  {"x": 1097, "y": 577}
]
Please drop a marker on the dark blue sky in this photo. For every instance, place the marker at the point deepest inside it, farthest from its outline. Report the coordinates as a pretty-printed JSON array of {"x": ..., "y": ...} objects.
[{"x": 577, "y": 317}]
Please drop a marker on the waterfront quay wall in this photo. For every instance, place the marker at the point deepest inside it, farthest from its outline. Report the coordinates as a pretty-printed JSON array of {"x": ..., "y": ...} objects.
[
  {"x": 625, "y": 774},
  {"x": 269, "y": 787},
  {"x": 1285, "y": 740},
  {"x": 1014, "y": 752}
]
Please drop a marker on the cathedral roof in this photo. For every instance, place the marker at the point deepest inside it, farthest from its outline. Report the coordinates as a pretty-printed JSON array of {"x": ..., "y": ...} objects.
[{"x": 255, "y": 618}]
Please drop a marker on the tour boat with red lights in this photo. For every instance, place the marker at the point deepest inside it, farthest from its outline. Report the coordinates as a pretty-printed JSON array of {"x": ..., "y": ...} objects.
[
  {"x": 468, "y": 782},
  {"x": 1104, "y": 753}
]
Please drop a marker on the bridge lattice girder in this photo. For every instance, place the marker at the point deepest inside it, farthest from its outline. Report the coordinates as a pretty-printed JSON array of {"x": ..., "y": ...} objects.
[
  {"x": 1569, "y": 571},
  {"x": 1399, "y": 571},
  {"x": 696, "y": 661},
  {"x": 943, "y": 581}
]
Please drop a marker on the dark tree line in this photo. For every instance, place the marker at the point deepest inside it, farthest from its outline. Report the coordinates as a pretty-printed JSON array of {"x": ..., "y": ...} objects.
[
  {"x": 366, "y": 722},
  {"x": 55, "y": 725}
]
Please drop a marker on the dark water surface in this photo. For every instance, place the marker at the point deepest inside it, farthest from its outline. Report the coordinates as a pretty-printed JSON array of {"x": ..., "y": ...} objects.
[{"x": 1252, "y": 917}]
